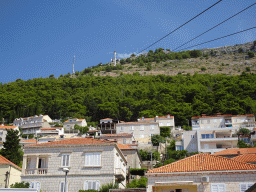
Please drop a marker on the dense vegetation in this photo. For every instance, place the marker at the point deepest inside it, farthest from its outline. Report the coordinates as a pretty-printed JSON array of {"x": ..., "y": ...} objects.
[{"x": 129, "y": 96}]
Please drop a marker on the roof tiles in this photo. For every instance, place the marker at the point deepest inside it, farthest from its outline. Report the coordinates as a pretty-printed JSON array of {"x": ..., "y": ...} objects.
[
  {"x": 121, "y": 146},
  {"x": 203, "y": 162},
  {"x": 3, "y": 160},
  {"x": 7, "y": 127},
  {"x": 236, "y": 150},
  {"x": 245, "y": 158}
]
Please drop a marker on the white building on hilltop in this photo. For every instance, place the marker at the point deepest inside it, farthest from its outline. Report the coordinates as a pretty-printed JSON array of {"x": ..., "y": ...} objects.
[{"x": 215, "y": 133}]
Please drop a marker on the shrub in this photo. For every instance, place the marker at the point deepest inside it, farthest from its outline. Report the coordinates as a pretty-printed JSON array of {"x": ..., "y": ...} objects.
[
  {"x": 89, "y": 190},
  {"x": 141, "y": 183},
  {"x": 168, "y": 161},
  {"x": 156, "y": 139},
  {"x": 149, "y": 67},
  {"x": 244, "y": 131},
  {"x": 240, "y": 50},
  {"x": 140, "y": 172},
  {"x": 242, "y": 144},
  {"x": 203, "y": 69},
  {"x": 195, "y": 53},
  {"x": 20, "y": 185},
  {"x": 105, "y": 188},
  {"x": 250, "y": 54},
  {"x": 248, "y": 69}
]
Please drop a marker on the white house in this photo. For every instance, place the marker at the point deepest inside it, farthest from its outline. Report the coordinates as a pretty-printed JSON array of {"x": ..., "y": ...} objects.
[
  {"x": 70, "y": 123},
  {"x": 91, "y": 163},
  {"x": 202, "y": 173},
  {"x": 3, "y": 131}
]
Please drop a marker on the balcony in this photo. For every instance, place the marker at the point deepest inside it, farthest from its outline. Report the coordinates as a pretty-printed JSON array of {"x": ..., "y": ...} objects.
[
  {"x": 228, "y": 122},
  {"x": 120, "y": 174},
  {"x": 39, "y": 171},
  {"x": 30, "y": 125},
  {"x": 219, "y": 139}
]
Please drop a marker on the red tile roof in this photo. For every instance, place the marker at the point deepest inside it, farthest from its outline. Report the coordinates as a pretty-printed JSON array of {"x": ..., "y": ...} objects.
[
  {"x": 73, "y": 141},
  {"x": 245, "y": 158},
  {"x": 106, "y": 119},
  {"x": 8, "y": 127},
  {"x": 117, "y": 135},
  {"x": 139, "y": 122},
  {"x": 28, "y": 141},
  {"x": 203, "y": 162},
  {"x": 235, "y": 151},
  {"x": 3, "y": 160},
  {"x": 124, "y": 147}
]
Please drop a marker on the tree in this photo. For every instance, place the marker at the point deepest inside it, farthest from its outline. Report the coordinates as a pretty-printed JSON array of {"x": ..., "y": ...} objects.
[
  {"x": 250, "y": 54},
  {"x": 12, "y": 148},
  {"x": 82, "y": 130},
  {"x": 172, "y": 145},
  {"x": 165, "y": 131},
  {"x": 244, "y": 131},
  {"x": 242, "y": 144},
  {"x": 156, "y": 139},
  {"x": 141, "y": 183},
  {"x": 20, "y": 185}
]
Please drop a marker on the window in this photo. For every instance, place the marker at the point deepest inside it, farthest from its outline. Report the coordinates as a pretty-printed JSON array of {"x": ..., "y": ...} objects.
[
  {"x": 151, "y": 126},
  {"x": 35, "y": 185},
  {"x": 122, "y": 128},
  {"x": 214, "y": 120},
  {"x": 244, "y": 186},
  {"x": 179, "y": 148},
  {"x": 221, "y": 120},
  {"x": 218, "y": 187},
  {"x": 160, "y": 124},
  {"x": 168, "y": 124},
  {"x": 62, "y": 184},
  {"x": 192, "y": 136},
  {"x": 208, "y": 121},
  {"x": 124, "y": 141},
  {"x": 142, "y": 127},
  {"x": 207, "y": 136},
  {"x": 65, "y": 160},
  {"x": 93, "y": 159},
  {"x": 206, "y": 146},
  {"x": 91, "y": 185},
  {"x": 132, "y": 128}
]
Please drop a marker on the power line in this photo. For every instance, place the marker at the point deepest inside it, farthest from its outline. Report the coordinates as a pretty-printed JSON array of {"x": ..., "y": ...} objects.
[
  {"x": 219, "y": 38},
  {"x": 216, "y": 26},
  {"x": 181, "y": 25}
]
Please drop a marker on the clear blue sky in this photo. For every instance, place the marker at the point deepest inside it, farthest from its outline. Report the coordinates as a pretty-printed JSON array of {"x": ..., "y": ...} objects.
[{"x": 39, "y": 37}]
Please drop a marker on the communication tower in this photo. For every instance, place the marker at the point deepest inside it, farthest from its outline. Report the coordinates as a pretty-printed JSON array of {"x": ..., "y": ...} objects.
[{"x": 74, "y": 65}]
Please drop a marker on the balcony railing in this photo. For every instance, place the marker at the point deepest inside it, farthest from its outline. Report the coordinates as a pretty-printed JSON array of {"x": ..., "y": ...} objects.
[
  {"x": 120, "y": 173},
  {"x": 39, "y": 171},
  {"x": 40, "y": 124}
]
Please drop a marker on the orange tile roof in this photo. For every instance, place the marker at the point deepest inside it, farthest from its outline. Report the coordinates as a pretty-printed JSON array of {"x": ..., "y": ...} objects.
[
  {"x": 227, "y": 115},
  {"x": 7, "y": 127},
  {"x": 235, "y": 151},
  {"x": 28, "y": 141},
  {"x": 3, "y": 160},
  {"x": 74, "y": 141},
  {"x": 245, "y": 158},
  {"x": 135, "y": 122},
  {"x": 203, "y": 162},
  {"x": 121, "y": 146},
  {"x": 165, "y": 116}
]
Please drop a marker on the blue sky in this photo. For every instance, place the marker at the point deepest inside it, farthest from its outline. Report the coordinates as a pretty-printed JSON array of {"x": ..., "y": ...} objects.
[{"x": 40, "y": 37}]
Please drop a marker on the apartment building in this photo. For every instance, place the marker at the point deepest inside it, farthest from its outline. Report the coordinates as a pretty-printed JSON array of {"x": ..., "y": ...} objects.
[
  {"x": 108, "y": 126},
  {"x": 50, "y": 131},
  {"x": 141, "y": 130},
  {"x": 214, "y": 133},
  {"x": 202, "y": 173},
  {"x": 91, "y": 163},
  {"x": 164, "y": 121},
  {"x": 29, "y": 125},
  {"x": 3, "y": 131},
  {"x": 70, "y": 123}
]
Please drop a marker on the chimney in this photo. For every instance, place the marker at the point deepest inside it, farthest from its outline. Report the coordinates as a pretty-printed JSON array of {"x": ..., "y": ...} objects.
[
  {"x": 218, "y": 114},
  {"x": 238, "y": 153}
]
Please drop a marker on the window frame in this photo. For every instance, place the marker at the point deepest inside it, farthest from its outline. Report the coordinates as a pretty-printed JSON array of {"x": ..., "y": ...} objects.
[
  {"x": 212, "y": 184},
  {"x": 247, "y": 186},
  {"x": 62, "y": 156},
  {"x": 142, "y": 128},
  {"x": 97, "y": 184}
]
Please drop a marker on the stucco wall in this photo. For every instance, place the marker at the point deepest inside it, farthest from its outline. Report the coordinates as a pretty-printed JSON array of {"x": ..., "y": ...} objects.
[{"x": 231, "y": 180}]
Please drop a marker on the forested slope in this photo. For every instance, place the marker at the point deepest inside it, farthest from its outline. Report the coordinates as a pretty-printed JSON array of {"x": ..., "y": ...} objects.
[{"x": 128, "y": 97}]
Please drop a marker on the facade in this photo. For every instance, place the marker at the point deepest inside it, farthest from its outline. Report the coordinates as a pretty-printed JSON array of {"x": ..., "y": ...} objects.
[
  {"x": 91, "y": 163},
  {"x": 69, "y": 124},
  {"x": 142, "y": 131},
  {"x": 13, "y": 170},
  {"x": 29, "y": 125},
  {"x": 132, "y": 156},
  {"x": 108, "y": 126},
  {"x": 215, "y": 133},
  {"x": 164, "y": 121},
  {"x": 202, "y": 173},
  {"x": 3, "y": 131}
]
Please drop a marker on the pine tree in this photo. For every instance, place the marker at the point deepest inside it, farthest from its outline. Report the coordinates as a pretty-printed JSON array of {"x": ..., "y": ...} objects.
[{"x": 12, "y": 148}]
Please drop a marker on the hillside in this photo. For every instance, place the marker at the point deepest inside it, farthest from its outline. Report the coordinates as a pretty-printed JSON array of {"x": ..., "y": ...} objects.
[{"x": 229, "y": 60}]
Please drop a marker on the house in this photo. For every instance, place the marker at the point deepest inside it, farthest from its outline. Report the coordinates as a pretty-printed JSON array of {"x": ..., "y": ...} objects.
[
  {"x": 50, "y": 131},
  {"x": 70, "y": 123},
  {"x": 230, "y": 153},
  {"x": 247, "y": 158},
  {"x": 132, "y": 156},
  {"x": 91, "y": 163},
  {"x": 108, "y": 125},
  {"x": 29, "y": 125},
  {"x": 28, "y": 142},
  {"x": 9, "y": 173},
  {"x": 3, "y": 131},
  {"x": 203, "y": 173},
  {"x": 214, "y": 133},
  {"x": 122, "y": 138},
  {"x": 142, "y": 131},
  {"x": 164, "y": 121}
]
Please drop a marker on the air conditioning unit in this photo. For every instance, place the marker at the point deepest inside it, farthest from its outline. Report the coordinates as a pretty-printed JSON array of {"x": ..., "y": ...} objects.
[{"x": 205, "y": 179}]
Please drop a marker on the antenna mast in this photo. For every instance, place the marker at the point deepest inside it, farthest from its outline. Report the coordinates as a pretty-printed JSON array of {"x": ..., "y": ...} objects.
[
  {"x": 74, "y": 65},
  {"x": 115, "y": 58}
]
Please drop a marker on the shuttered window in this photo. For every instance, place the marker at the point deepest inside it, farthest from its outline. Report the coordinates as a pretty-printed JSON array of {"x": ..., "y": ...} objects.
[
  {"x": 92, "y": 185},
  {"x": 93, "y": 159},
  {"x": 35, "y": 185},
  {"x": 62, "y": 184},
  {"x": 218, "y": 187},
  {"x": 244, "y": 186}
]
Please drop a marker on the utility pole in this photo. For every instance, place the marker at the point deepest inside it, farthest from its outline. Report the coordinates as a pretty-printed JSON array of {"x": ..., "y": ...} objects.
[{"x": 6, "y": 179}]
